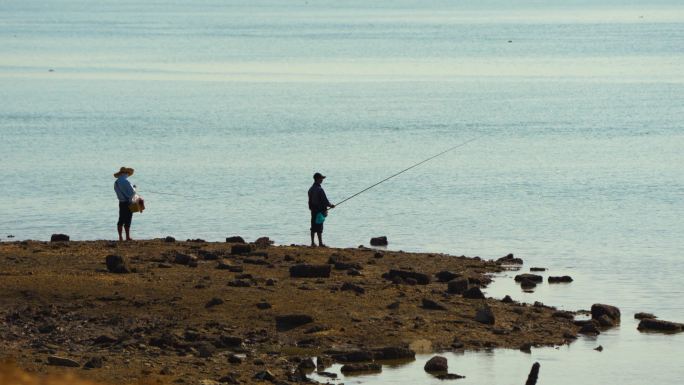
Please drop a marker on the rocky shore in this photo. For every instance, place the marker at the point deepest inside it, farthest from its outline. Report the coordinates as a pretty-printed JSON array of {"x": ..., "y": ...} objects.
[{"x": 198, "y": 312}]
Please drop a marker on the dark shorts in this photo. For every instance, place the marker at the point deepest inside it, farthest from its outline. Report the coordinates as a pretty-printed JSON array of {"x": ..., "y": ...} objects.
[
  {"x": 125, "y": 215},
  {"x": 315, "y": 227}
]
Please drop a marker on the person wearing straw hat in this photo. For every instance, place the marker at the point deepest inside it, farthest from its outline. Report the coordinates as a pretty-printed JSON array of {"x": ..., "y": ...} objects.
[
  {"x": 125, "y": 193},
  {"x": 318, "y": 204}
]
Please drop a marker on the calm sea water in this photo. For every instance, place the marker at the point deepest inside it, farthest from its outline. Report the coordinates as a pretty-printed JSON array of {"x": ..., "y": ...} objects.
[{"x": 226, "y": 109}]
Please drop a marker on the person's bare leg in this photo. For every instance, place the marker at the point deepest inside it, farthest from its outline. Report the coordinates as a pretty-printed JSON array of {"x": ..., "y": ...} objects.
[
  {"x": 320, "y": 240},
  {"x": 119, "y": 228},
  {"x": 128, "y": 233},
  {"x": 313, "y": 244}
]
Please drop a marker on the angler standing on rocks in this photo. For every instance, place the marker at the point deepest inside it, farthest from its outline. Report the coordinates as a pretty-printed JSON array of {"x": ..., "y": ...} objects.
[
  {"x": 318, "y": 205},
  {"x": 126, "y": 193}
]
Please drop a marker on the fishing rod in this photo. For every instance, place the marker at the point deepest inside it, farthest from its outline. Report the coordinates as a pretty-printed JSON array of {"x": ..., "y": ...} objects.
[
  {"x": 408, "y": 168},
  {"x": 173, "y": 194}
]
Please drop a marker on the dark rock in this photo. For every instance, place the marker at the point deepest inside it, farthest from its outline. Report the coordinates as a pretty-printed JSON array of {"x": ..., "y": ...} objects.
[
  {"x": 291, "y": 321},
  {"x": 534, "y": 374},
  {"x": 208, "y": 255},
  {"x": 644, "y": 316},
  {"x": 105, "y": 339},
  {"x": 239, "y": 283},
  {"x": 378, "y": 255},
  {"x": 61, "y": 361},
  {"x": 394, "y": 353},
  {"x": 326, "y": 374},
  {"x": 531, "y": 277},
  {"x": 271, "y": 282},
  {"x": 446, "y": 276},
  {"x": 47, "y": 328},
  {"x": 229, "y": 379},
  {"x": 599, "y": 348},
  {"x": 59, "y": 238},
  {"x": 393, "y": 305},
  {"x": 263, "y": 305},
  {"x": 224, "y": 265},
  {"x": 196, "y": 240},
  {"x": 509, "y": 260},
  {"x": 537, "y": 269},
  {"x": 213, "y": 302},
  {"x": 240, "y": 248},
  {"x": 316, "y": 329},
  {"x": 169, "y": 239},
  {"x": 205, "y": 349},
  {"x": 310, "y": 271},
  {"x": 117, "y": 264},
  {"x": 420, "y": 278},
  {"x": 255, "y": 261},
  {"x": 436, "y": 364},
  {"x": 264, "y": 375},
  {"x": 485, "y": 315},
  {"x": 347, "y": 266},
  {"x": 353, "y": 272},
  {"x": 163, "y": 265},
  {"x": 563, "y": 279},
  {"x": 563, "y": 314},
  {"x": 598, "y": 310},
  {"x": 507, "y": 299},
  {"x": 378, "y": 241},
  {"x": 527, "y": 284},
  {"x": 432, "y": 305},
  {"x": 473, "y": 293},
  {"x": 347, "y": 286},
  {"x": 323, "y": 362},
  {"x": 307, "y": 364},
  {"x": 656, "y": 325},
  {"x": 93, "y": 363},
  {"x": 526, "y": 347},
  {"x": 606, "y": 321},
  {"x": 233, "y": 359},
  {"x": 182, "y": 259},
  {"x": 355, "y": 368},
  {"x": 226, "y": 341},
  {"x": 457, "y": 344},
  {"x": 354, "y": 356},
  {"x": 263, "y": 242},
  {"x": 449, "y": 376},
  {"x": 235, "y": 239},
  {"x": 458, "y": 286},
  {"x": 589, "y": 328}
]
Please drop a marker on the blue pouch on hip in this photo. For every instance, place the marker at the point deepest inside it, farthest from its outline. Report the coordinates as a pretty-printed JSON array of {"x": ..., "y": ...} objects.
[{"x": 320, "y": 218}]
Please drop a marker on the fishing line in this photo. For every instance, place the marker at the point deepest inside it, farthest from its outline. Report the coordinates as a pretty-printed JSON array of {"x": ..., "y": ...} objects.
[
  {"x": 408, "y": 168},
  {"x": 166, "y": 193}
]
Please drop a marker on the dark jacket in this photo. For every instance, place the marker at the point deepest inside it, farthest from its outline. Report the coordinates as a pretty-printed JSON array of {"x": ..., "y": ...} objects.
[{"x": 318, "y": 201}]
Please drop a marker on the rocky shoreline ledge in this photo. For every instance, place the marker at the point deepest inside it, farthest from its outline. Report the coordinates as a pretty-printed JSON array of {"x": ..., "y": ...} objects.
[{"x": 203, "y": 312}]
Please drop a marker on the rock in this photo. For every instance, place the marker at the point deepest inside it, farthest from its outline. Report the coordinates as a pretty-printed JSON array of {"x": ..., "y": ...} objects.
[
  {"x": 213, "y": 302},
  {"x": 420, "y": 278},
  {"x": 379, "y": 241},
  {"x": 240, "y": 248},
  {"x": 449, "y": 376},
  {"x": 563, "y": 314},
  {"x": 355, "y": 368},
  {"x": 507, "y": 299},
  {"x": 347, "y": 286},
  {"x": 526, "y": 347},
  {"x": 563, "y": 279},
  {"x": 644, "y": 316},
  {"x": 323, "y": 362},
  {"x": 169, "y": 239},
  {"x": 239, "y": 283},
  {"x": 291, "y": 321},
  {"x": 531, "y": 277},
  {"x": 105, "y": 339},
  {"x": 61, "y": 361},
  {"x": 527, "y": 284},
  {"x": 537, "y": 269},
  {"x": 598, "y": 310},
  {"x": 227, "y": 341},
  {"x": 354, "y": 356},
  {"x": 196, "y": 240},
  {"x": 233, "y": 359},
  {"x": 235, "y": 239},
  {"x": 485, "y": 315},
  {"x": 394, "y": 353},
  {"x": 534, "y": 374},
  {"x": 473, "y": 293},
  {"x": 208, "y": 255},
  {"x": 458, "y": 286},
  {"x": 182, "y": 259},
  {"x": 205, "y": 349},
  {"x": 436, "y": 364},
  {"x": 263, "y": 305},
  {"x": 599, "y": 348},
  {"x": 378, "y": 255},
  {"x": 117, "y": 264},
  {"x": 59, "y": 238},
  {"x": 509, "y": 260},
  {"x": 394, "y": 305},
  {"x": 264, "y": 375},
  {"x": 310, "y": 271},
  {"x": 307, "y": 364},
  {"x": 326, "y": 374},
  {"x": 606, "y": 321},
  {"x": 93, "y": 363},
  {"x": 263, "y": 242},
  {"x": 589, "y": 328},
  {"x": 446, "y": 276},
  {"x": 429, "y": 304},
  {"x": 347, "y": 266},
  {"x": 163, "y": 265},
  {"x": 655, "y": 325},
  {"x": 255, "y": 261}
]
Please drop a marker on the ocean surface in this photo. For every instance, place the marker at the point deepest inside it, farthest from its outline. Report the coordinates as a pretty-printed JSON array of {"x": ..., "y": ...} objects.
[{"x": 226, "y": 109}]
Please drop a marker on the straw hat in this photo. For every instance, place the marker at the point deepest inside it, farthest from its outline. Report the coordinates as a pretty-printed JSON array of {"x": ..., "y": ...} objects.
[{"x": 124, "y": 170}]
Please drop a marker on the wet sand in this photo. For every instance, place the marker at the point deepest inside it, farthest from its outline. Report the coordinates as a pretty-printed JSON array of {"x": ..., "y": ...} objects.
[{"x": 193, "y": 311}]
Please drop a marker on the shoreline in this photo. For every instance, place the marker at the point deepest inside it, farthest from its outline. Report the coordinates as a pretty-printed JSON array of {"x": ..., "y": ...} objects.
[{"x": 190, "y": 311}]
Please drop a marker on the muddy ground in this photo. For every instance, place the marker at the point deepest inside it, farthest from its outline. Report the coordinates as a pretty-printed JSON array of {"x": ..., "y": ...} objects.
[{"x": 192, "y": 311}]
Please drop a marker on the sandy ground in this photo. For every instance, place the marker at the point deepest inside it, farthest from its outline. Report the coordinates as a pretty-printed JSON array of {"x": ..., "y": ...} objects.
[{"x": 212, "y": 316}]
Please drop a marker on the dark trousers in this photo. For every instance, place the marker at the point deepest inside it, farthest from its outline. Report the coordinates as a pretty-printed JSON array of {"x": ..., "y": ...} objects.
[{"x": 125, "y": 215}]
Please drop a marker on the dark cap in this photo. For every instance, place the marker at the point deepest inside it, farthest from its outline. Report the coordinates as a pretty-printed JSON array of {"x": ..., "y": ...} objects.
[{"x": 318, "y": 175}]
